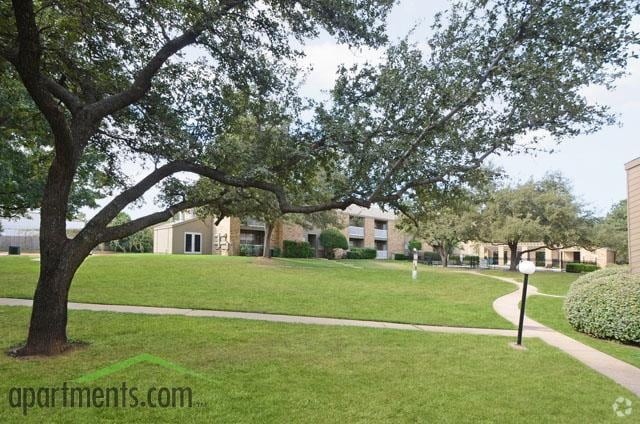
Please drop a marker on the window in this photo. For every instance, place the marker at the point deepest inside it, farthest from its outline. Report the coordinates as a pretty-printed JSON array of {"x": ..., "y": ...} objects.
[
  {"x": 353, "y": 242},
  {"x": 380, "y": 225},
  {"x": 192, "y": 243},
  {"x": 381, "y": 245},
  {"x": 356, "y": 221},
  {"x": 251, "y": 237}
]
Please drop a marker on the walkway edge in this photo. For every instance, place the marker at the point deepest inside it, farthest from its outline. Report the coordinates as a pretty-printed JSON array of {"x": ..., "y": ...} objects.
[{"x": 255, "y": 316}]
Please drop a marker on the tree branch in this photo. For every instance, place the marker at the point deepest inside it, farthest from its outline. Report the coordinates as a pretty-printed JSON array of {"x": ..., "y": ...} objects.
[
  {"x": 27, "y": 63},
  {"x": 70, "y": 100},
  {"x": 482, "y": 78},
  {"x": 142, "y": 81},
  {"x": 132, "y": 227}
]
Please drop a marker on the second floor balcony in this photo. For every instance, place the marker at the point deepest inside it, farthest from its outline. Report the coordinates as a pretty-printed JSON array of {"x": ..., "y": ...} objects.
[
  {"x": 356, "y": 231},
  {"x": 380, "y": 234}
]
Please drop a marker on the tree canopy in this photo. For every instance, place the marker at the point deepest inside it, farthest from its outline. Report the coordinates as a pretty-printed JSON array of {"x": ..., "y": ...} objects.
[
  {"x": 612, "y": 231},
  {"x": 543, "y": 211}
]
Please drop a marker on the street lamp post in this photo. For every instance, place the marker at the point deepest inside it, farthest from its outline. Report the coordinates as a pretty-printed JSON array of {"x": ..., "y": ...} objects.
[
  {"x": 527, "y": 268},
  {"x": 414, "y": 271}
]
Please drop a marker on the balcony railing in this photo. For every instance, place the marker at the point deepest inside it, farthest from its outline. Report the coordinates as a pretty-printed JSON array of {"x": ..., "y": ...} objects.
[
  {"x": 381, "y": 254},
  {"x": 356, "y": 231},
  {"x": 253, "y": 223},
  {"x": 380, "y": 234}
]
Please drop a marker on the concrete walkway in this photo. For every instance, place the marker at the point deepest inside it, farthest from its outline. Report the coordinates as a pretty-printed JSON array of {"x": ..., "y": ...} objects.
[
  {"x": 619, "y": 371},
  {"x": 292, "y": 319}
]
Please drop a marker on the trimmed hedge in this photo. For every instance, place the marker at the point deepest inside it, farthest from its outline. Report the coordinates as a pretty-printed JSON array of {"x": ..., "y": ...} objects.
[
  {"x": 401, "y": 257},
  {"x": 578, "y": 267},
  {"x": 361, "y": 253},
  {"x": 606, "y": 304},
  {"x": 472, "y": 260},
  {"x": 296, "y": 249}
]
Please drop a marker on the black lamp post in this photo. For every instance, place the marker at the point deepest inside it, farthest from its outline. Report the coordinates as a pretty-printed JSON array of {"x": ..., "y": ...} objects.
[{"x": 527, "y": 268}]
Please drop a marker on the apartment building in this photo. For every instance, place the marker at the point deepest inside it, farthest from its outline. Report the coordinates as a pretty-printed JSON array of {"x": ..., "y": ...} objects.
[
  {"x": 189, "y": 234},
  {"x": 633, "y": 213},
  {"x": 500, "y": 254}
]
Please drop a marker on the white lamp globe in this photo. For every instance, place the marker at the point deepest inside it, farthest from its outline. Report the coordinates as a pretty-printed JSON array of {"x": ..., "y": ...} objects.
[{"x": 527, "y": 267}]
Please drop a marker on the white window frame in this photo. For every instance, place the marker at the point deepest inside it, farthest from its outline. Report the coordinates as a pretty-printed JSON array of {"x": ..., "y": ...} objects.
[{"x": 193, "y": 244}]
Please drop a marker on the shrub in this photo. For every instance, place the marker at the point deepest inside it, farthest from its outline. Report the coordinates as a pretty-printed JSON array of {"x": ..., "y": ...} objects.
[
  {"x": 296, "y": 249},
  {"x": 250, "y": 250},
  {"x": 472, "y": 260},
  {"x": 401, "y": 257},
  {"x": 275, "y": 252},
  {"x": 331, "y": 239},
  {"x": 361, "y": 253},
  {"x": 577, "y": 267},
  {"x": 430, "y": 257},
  {"x": 414, "y": 244},
  {"x": 606, "y": 304}
]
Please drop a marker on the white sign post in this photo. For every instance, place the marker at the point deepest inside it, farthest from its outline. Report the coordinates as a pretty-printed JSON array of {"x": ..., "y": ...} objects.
[{"x": 414, "y": 272}]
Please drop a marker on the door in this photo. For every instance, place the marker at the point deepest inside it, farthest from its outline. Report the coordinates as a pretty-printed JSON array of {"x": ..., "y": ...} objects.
[{"x": 193, "y": 243}]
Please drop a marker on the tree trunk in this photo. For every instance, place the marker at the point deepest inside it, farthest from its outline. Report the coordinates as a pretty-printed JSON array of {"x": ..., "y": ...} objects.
[
  {"x": 442, "y": 251},
  {"x": 515, "y": 256},
  {"x": 268, "y": 230},
  {"x": 59, "y": 260}
]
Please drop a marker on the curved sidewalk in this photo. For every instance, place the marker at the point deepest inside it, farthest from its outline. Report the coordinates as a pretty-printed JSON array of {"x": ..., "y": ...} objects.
[
  {"x": 255, "y": 316},
  {"x": 619, "y": 371}
]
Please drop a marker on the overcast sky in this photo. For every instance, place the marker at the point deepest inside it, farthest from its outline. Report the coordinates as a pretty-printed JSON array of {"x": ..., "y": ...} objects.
[{"x": 594, "y": 164}]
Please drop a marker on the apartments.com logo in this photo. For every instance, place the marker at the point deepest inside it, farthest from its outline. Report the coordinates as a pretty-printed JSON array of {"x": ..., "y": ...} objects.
[
  {"x": 122, "y": 396},
  {"x": 622, "y": 407}
]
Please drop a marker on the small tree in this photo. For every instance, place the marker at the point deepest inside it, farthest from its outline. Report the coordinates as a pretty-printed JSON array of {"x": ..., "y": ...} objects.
[
  {"x": 331, "y": 239},
  {"x": 443, "y": 222},
  {"x": 414, "y": 244},
  {"x": 612, "y": 232}
]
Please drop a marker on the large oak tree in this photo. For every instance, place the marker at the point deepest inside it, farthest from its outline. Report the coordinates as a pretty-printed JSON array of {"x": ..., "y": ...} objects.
[{"x": 152, "y": 81}]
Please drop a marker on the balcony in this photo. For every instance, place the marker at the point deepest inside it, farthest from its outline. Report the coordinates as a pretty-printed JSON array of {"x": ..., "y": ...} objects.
[
  {"x": 380, "y": 234},
  {"x": 356, "y": 231},
  {"x": 381, "y": 254}
]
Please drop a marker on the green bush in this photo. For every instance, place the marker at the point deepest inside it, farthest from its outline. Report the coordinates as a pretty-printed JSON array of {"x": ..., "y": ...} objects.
[
  {"x": 361, "y": 253},
  {"x": 296, "y": 249},
  {"x": 401, "y": 257},
  {"x": 472, "y": 260},
  {"x": 331, "y": 239},
  {"x": 414, "y": 244},
  {"x": 606, "y": 304},
  {"x": 577, "y": 267},
  {"x": 275, "y": 252}
]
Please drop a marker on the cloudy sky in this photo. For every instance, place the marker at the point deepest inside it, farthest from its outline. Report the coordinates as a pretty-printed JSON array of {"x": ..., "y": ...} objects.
[{"x": 594, "y": 164}]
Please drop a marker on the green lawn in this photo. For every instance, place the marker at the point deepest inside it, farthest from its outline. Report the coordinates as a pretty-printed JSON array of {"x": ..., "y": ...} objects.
[
  {"x": 341, "y": 289},
  {"x": 546, "y": 281},
  {"x": 548, "y": 311},
  {"x": 266, "y": 372}
]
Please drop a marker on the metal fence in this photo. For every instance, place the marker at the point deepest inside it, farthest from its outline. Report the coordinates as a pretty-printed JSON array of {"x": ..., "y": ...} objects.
[{"x": 27, "y": 241}]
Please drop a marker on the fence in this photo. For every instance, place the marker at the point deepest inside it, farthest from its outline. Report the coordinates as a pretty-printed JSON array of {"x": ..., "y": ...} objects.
[{"x": 27, "y": 241}]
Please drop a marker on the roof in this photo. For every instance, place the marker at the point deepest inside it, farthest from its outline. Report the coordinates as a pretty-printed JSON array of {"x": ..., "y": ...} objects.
[
  {"x": 373, "y": 212},
  {"x": 165, "y": 225},
  {"x": 632, "y": 164}
]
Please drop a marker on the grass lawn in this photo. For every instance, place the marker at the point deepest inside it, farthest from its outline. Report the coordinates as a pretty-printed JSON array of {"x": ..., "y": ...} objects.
[
  {"x": 342, "y": 289},
  {"x": 546, "y": 281},
  {"x": 265, "y": 372},
  {"x": 548, "y": 311}
]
